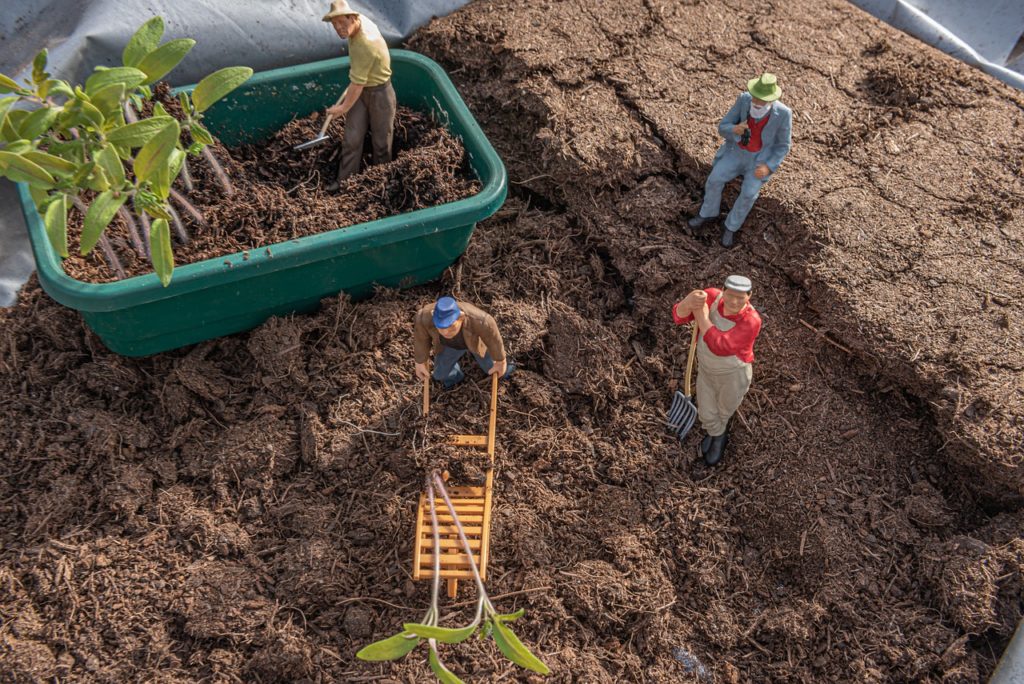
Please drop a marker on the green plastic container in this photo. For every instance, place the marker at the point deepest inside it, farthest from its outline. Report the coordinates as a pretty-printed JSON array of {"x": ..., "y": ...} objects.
[{"x": 228, "y": 294}]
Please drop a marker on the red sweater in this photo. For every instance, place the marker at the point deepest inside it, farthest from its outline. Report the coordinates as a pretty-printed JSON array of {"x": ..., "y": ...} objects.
[{"x": 739, "y": 341}]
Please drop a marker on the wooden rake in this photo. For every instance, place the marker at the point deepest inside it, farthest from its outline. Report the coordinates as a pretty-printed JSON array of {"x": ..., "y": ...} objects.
[
  {"x": 683, "y": 413},
  {"x": 471, "y": 504}
]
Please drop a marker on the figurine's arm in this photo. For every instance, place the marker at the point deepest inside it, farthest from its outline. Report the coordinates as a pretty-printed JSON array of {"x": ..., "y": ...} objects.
[
  {"x": 780, "y": 147},
  {"x": 731, "y": 119},
  {"x": 352, "y": 94}
]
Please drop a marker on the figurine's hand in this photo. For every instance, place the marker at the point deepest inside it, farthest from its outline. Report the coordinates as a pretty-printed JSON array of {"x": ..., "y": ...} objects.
[
  {"x": 336, "y": 111},
  {"x": 739, "y": 129},
  {"x": 421, "y": 371},
  {"x": 762, "y": 171},
  {"x": 499, "y": 368},
  {"x": 698, "y": 298}
]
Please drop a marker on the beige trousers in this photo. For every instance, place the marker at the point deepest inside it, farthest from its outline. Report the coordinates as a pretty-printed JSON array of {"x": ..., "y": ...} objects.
[
  {"x": 719, "y": 395},
  {"x": 373, "y": 111}
]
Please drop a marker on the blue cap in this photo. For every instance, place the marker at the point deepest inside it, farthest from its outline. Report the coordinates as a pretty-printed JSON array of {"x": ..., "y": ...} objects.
[{"x": 446, "y": 312}]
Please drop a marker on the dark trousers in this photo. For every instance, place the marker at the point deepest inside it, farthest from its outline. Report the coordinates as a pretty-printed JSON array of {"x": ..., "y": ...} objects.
[{"x": 373, "y": 111}]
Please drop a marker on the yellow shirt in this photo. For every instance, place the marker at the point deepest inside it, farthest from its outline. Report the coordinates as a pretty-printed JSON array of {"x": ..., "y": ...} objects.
[{"x": 371, "y": 60}]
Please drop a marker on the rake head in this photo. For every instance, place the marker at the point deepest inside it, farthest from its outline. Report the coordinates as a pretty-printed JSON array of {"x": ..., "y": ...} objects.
[
  {"x": 681, "y": 415},
  {"x": 311, "y": 143}
]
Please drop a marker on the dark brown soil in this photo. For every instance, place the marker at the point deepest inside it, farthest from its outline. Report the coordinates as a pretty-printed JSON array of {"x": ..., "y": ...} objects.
[
  {"x": 243, "y": 509},
  {"x": 279, "y": 193}
]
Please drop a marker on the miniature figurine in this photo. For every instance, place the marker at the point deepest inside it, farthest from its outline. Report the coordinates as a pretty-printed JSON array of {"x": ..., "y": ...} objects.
[
  {"x": 451, "y": 329},
  {"x": 369, "y": 101},
  {"x": 757, "y": 132},
  {"x": 725, "y": 354}
]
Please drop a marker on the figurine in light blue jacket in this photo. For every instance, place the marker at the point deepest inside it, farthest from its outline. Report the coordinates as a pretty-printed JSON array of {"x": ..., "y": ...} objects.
[{"x": 757, "y": 132}]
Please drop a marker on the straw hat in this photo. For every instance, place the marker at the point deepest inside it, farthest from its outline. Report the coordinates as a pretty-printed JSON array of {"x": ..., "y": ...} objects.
[
  {"x": 339, "y": 8},
  {"x": 765, "y": 87}
]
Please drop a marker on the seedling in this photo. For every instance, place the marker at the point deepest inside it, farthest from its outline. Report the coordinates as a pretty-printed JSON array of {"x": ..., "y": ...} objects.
[
  {"x": 66, "y": 141},
  {"x": 487, "y": 620}
]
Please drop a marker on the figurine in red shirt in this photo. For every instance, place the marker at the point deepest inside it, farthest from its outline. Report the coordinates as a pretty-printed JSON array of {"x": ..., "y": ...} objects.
[{"x": 725, "y": 355}]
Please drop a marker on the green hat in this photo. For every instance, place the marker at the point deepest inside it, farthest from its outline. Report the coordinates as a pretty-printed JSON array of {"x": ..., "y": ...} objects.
[
  {"x": 339, "y": 8},
  {"x": 765, "y": 87}
]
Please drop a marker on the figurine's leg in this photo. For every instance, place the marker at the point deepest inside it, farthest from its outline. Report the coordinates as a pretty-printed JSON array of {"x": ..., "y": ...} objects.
[
  {"x": 446, "y": 366},
  {"x": 745, "y": 202},
  {"x": 486, "y": 363},
  {"x": 724, "y": 170},
  {"x": 707, "y": 405},
  {"x": 382, "y": 122},
  {"x": 356, "y": 124}
]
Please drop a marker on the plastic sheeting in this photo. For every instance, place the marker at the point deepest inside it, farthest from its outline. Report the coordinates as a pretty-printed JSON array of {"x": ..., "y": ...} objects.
[{"x": 265, "y": 34}]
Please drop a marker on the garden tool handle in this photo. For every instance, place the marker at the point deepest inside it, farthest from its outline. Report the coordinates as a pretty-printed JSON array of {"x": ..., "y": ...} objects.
[
  {"x": 492, "y": 423},
  {"x": 690, "y": 358},
  {"x": 426, "y": 394},
  {"x": 327, "y": 121}
]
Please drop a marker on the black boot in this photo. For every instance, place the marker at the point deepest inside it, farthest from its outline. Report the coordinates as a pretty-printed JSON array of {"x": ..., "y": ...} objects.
[
  {"x": 697, "y": 221},
  {"x": 727, "y": 237},
  {"x": 716, "y": 449},
  {"x": 705, "y": 444}
]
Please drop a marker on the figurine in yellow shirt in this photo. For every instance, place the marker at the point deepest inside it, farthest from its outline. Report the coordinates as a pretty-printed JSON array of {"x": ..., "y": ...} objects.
[{"x": 369, "y": 102}]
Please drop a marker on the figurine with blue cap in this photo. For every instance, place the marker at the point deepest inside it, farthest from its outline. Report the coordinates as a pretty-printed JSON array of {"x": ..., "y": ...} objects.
[
  {"x": 757, "y": 131},
  {"x": 728, "y": 326},
  {"x": 451, "y": 328}
]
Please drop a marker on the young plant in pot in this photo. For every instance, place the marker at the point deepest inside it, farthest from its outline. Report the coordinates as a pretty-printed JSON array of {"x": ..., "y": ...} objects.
[
  {"x": 486, "y": 623},
  {"x": 87, "y": 146}
]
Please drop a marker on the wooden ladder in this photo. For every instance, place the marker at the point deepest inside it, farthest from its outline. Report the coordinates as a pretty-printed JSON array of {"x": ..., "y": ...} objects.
[{"x": 473, "y": 506}]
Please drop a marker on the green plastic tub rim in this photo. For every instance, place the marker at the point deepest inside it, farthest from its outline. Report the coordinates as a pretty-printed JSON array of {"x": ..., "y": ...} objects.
[{"x": 293, "y": 253}]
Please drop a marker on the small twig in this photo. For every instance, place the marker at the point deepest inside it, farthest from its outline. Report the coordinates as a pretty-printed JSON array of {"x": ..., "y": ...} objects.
[
  {"x": 218, "y": 171},
  {"x": 186, "y": 176},
  {"x": 179, "y": 227},
  {"x": 189, "y": 208},
  {"x": 133, "y": 231},
  {"x": 824, "y": 336},
  {"x": 144, "y": 218}
]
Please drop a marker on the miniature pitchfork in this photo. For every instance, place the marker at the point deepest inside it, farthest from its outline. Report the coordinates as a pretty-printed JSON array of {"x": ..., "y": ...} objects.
[
  {"x": 323, "y": 137},
  {"x": 683, "y": 414}
]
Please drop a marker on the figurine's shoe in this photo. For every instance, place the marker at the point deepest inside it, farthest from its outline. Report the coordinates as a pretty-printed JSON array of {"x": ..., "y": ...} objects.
[
  {"x": 333, "y": 187},
  {"x": 717, "y": 449},
  {"x": 698, "y": 221},
  {"x": 728, "y": 237},
  {"x": 705, "y": 444}
]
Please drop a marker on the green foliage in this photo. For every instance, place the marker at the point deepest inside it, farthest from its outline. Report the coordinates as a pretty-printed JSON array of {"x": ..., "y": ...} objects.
[
  {"x": 514, "y": 650},
  {"x": 68, "y": 140},
  {"x": 443, "y": 674},
  {"x": 391, "y": 648},
  {"x": 442, "y": 634}
]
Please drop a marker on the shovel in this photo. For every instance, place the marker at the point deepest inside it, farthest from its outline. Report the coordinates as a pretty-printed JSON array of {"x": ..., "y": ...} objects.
[
  {"x": 323, "y": 137},
  {"x": 683, "y": 414}
]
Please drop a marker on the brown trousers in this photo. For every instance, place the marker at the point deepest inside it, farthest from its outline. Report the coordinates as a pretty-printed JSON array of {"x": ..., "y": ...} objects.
[{"x": 373, "y": 111}]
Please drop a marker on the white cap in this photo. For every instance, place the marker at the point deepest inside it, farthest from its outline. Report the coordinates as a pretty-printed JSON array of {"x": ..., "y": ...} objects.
[{"x": 738, "y": 283}]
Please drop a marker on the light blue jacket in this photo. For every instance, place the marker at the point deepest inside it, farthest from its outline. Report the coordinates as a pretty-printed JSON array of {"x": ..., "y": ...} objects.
[{"x": 775, "y": 138}]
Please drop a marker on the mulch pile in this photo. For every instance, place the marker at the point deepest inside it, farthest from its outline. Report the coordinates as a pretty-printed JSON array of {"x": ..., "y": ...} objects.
[
  {"x": 279, "y": 193},
  {"x": 243, "y": 509}
]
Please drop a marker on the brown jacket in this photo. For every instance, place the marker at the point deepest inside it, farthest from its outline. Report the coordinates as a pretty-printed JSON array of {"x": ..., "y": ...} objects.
[{"x": 478, "y": 329}]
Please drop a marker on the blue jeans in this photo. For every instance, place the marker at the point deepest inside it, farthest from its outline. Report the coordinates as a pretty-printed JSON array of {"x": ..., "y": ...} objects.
[
  {"x": 734, "y": 162},
  {"x": 446, "y": 365}
]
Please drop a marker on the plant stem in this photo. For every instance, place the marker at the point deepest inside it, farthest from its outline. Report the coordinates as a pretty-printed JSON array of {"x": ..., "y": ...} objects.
[
  {"x": 133, "y": 231},
  {"x": 145, "y": 233},
  {"x": 218, "y": 171},
  {"x": 179, "y": 227},
  {"x": 129, "y": 113},
  {"x": 108, "y": 251},
  {"x": 439, "y": 483},
  {"x": 436, "y": 586},
  {"x": 189, "y": 208},
  {"x": 186, "y": 176}
]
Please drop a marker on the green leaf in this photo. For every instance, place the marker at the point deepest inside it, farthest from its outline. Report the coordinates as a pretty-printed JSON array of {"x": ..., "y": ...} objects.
[
  {"x": 56, "y": 222},
  {"x": 158, "y": 110},
  {"x": 21, "y": 170},
  {"x": 38, "y": 122},
  {"x": 442, "y": 634},
  {"x": 140, "y": 132},
  {"x": 391, "y": 648},
  {"x": 50, "y": 162},
  {"x": 5, "y": 104},
  {"x": 160, "y": 250},
  {"x": 160, "y": 61},
  {"x": 39, "y": 74},
  {"x": 57, "y": 87},
  {"x": 111, "y": 164},
  {"x": 158, "y": 211},
  {"x": 129, "y": 77},
  {"x": 510, "y": 617},
  {"x": 108, "y": 99},
  {"x": 8, "y": 84},
  {"x": 98, "y": 217},
  {"x": 11, "y": 126},
  {"x": 143, "y": 42},
  {"x": 217, "y": 85},
  {"x": 155, "y": 153},
  {"x": 81, "y": 177},
  {"x": 80, "y": 112},
  {"x": 444, "y": 675},
  {"x": 514, "y": 650},
  {"x": 201, "y": 135}
]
